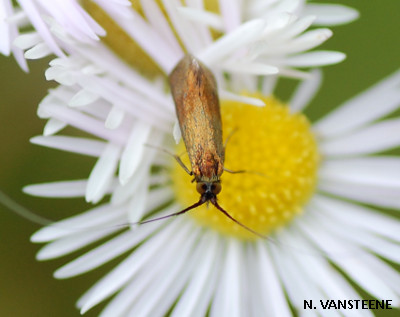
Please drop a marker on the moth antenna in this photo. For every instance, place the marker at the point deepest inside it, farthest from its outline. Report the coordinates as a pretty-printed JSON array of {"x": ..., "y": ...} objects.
[
  {"x": 199, "y": 203},
  {"x": 214, "y": 202}
]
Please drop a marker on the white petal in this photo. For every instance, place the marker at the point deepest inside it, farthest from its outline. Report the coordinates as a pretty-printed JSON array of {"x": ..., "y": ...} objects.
[
  {"x": 269, "y": 281},
  {"x": 84, "y": 122},
  {"x": 79, "y": 145},
  {"x": 211, "y": 19},
  {"x": 132, "y": 155},
  {"x": 38, "y": 51},
  {"x": 383, "y": 172},
  {"x": 293, "y": 281},
  {"x": 137, "y": 204},
  {"x": 38, "y": 23},
  {"x": 250, "y": 68},
  {"x": 159, "y": 296},
  {"x": 83, "y": 98},
  {"x": 102, "y": 173},
  {"x": 157, "y": 18},
  {"x": 177, "y": 132},
  {"x": 121, "y": 274},
  {"x": 106, "y": 252},
  {"x": 197, "y": 295},
  {"x": 362, "y": 109},
  {"x": 183, "y": 28},
  {"x": 306, "y": 91},
  {"x": 304, "y": 42},
  {"x": 227, "y": 95},
  {"x": 114, "y": 118},
  {"x": 228, "y": 297},
  {"x": 93, "y": 219},
  {"x": 331, "y": 14},
  {"x": 354, "y": 216},
  {"x": 148, "y": 38},
  {"x": 353, "y": 261},
  {"x": 63, "y": 189},
  {"x": 53, "y": 126},
  {"x": 231, "y": 13},
  {"x": 369, "y": 194},
  {"x": 315, "y": 59},
  {"x": 375, "y": 138},
  {"x": 240, "y": 37},
  {"x": 27, "y": 40},
  {"x": 324, "y": 275},
  {"x": 72, "y": 243}
]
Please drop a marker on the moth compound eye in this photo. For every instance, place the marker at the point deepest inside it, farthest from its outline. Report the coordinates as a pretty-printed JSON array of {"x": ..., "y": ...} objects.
[
  {"x": 201, "y": 188},
  {"x": 216, "y": 188}
]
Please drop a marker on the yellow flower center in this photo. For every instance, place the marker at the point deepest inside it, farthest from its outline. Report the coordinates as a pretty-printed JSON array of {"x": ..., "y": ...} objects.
[{"x": 279, "y": 153}]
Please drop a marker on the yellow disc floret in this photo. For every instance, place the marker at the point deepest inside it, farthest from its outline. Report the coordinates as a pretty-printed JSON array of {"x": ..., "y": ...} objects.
[{"x": 279, "y": 154}]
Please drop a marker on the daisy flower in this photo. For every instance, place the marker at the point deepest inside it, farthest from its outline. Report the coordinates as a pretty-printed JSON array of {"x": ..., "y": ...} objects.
[{"x": 310, "y": 188}]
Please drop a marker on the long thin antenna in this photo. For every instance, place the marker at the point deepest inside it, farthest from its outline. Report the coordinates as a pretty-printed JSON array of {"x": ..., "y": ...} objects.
[
  {"x": 199, "y": 203},
  {"x": 214, "y": 202}
]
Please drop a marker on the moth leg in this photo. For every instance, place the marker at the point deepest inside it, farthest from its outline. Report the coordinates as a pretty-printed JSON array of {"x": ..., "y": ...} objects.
[
  {"x": 234, "y": 172},
  {"x": 244, "y": 171},
  {"x": 176, "y": 157},
  {"x": 229, "y": 136}
]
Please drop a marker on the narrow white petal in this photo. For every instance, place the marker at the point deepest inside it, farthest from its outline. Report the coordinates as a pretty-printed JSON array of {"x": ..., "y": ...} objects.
[
  {"x": 102, "y": 174},
  {"x": 84, "y": 122},
  {"x": 228, "y": 297},
  {"x": 304, "y": 42},
  {"x": 231, "y": 13},
  {"x": 165, "y": 289},
  {"x": 79, "y": 145},
  {"x": 211, "y": 19},
  {"x": 83, "y": 98},
  {"x": 106, "y": 252},
  {"x": 177, "y": 132},
  {"x": 72, "y": 243},
  {"x": 381, "y": 171},
  {"x": 201, "y": 282},
  {"x": 133, "y": 152},
  {"x": 148, "y": 38},
  {"x": 240, "y": 37},
  {"x": 38, "y": 51},
  {"x": 250, "y": 68},
  {"x": 38, "y": 23},
  {"x": 225, "y": 94},
  {"x": 362, "y": 109},
  {"x": 270, "y": 283},
  {"x": 331, "y": 14},
  {"x": 357, "y": 216},
  {"x": 269, "y": 84},
  {"x": 114, "y": 118},
  {"x": 138, "y": 202},
  {"x": 121, "y": 274},
  {"x": 53, "y": 126},
  {"x": 62, "y": 189},
  {"x": 324, "y": 275},
  {"x": 353, "y": 261},
  {"x": 292, "y": 281},
  {"x": 91, "y": 220},
  {"x": 315, "y": 59},
  {"x": 27, "y": 40},
  {"x": 157, "y": 18},
  {"x": 378, "y": 137},
  {"x": 369, "y": 194},
  {"x": 306, "y": 91}
]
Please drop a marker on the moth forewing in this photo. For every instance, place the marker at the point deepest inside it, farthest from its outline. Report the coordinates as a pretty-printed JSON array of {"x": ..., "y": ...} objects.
[{"x": 195, "y": 94}]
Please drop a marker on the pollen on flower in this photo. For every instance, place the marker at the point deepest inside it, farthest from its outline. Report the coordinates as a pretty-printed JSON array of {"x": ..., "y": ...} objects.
[{"x": 279, "y": 153}]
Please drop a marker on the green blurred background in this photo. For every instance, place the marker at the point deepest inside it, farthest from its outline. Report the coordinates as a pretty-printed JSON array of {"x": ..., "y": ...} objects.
[{"x": 27, "y": 286}]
